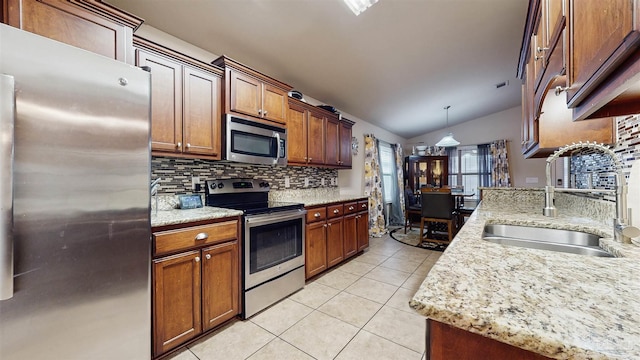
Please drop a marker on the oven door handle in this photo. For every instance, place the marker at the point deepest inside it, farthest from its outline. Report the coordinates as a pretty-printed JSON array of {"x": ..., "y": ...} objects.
[{"x": 257, "y": 220}]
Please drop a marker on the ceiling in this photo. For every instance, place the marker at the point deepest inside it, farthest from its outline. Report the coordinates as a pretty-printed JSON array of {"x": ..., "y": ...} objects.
[{"x": 397, "y": 65}]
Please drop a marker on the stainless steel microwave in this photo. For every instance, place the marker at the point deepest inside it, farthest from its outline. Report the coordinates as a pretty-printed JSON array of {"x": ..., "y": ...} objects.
[{"x": 253, "y": 142}]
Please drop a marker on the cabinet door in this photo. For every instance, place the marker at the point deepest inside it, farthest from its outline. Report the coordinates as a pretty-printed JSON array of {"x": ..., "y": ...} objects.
[
  {"x": 315, "y": 248},
  {"x": 601, "y": 35},
  {"x": 220, "y": 284},
  {"x": 332, "y": 144},
  {"x": 202, "y": 113},
  {"x": 62, "y": 21},
  {"x": 274, "y": 103},
  {"x": 335, "y": 246},
  {"x": 345, "y": 145},
  {"x": 350, "y": 235},
  {"x": 166, "y": 101},
  {"x": 246, "y": 94},
  {"x": 176, "y": 300},
  {"x": 297, "y": 135},
  {"x": 316, "y": 135},
  {"x": 362, "y": 224}
]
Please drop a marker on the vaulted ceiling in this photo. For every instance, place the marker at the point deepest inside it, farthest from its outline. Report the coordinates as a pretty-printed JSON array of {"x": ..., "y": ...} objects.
[{"x": 397, "y": 65}]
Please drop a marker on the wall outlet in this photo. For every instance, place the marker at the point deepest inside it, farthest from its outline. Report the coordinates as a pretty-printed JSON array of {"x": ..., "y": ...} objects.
[
  {"x": 287, "y": 182},
  {"x": 306, "y": 182},
  {"x": 334, "y": 181},
  {"x": 195, "y": 180},
  {"x": 322, "y": 181}
]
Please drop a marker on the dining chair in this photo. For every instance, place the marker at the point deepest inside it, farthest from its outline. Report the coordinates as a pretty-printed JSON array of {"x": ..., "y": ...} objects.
[
  {"x": 411, "y": 208},
  {"x": 438, "y": 206}
]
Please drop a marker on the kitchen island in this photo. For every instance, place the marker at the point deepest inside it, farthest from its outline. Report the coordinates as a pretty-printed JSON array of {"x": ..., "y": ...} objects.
[{"x": 559, "y": 305}]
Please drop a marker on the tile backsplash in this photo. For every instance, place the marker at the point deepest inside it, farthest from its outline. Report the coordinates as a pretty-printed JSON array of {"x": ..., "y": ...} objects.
[
  {"x": 598, "y": 167},
  {"x": 177, "y": 174}
]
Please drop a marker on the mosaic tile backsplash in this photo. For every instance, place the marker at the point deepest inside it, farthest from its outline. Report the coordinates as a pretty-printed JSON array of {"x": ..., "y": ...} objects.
[
  {"x": 177, "y": 174},
  {"x": 597, "y": 169}
]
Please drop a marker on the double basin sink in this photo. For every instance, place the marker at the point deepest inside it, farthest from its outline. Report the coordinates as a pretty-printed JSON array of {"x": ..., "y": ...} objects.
[{"x": 568, "y": 241}]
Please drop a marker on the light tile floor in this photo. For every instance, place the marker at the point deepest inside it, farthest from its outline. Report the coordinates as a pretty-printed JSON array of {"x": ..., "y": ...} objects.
[{"x": 358, "y": 310}]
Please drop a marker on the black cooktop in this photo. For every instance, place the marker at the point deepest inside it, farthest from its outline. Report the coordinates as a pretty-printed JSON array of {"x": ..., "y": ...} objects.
[{"x": 248, "y": 195}]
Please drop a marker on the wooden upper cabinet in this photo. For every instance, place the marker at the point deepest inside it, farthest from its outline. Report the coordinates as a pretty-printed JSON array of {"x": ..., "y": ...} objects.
[
  {"x": 274, "y": 103},
  {"x": 297, "y": 134},
  {"x": 345, "y": 143},
  {"x": 601, "y": 35},
  {"x": 202, "y": 113},
  {"x": 246, "y": 94},
  {"x": 88, "y": 24},
  {"x": 317, "y": 137},
  {"x": 186, "y": 103},
  {"x": 249, "y": 92},
  {"x": 332, "y": 143},
  {"x": 166, "y": 107}
]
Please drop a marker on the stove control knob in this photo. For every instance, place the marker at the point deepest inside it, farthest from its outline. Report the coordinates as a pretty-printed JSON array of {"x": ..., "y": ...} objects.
[
  {"x": 212, "y": 186},
  {"x": 264, "y": 184},
  {"x": 220, "y": 185}
]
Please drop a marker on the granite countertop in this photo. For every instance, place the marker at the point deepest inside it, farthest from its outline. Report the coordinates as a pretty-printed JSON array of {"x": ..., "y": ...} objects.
[
  {"x": 179, "y": 216},
  {"x": 322, "y": 201},
  {"x": 560, "y": 305},
  {"x": 313, "y": 197}
]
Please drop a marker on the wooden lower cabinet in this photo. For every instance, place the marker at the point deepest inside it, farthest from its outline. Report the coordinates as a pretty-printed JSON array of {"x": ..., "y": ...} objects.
[
  {"x": 196, "y": 289},
  {"x": 177, "y": 300},
  {"x": 315, "y": 248},
  {"x": 335, "y": 250},
  {"x": 220, "y": 291},
  {"x": 446, "y": 342},
  {"x": 335, "y": 233}
]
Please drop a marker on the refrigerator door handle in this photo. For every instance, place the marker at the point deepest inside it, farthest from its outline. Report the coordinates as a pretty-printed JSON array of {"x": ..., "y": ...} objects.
[{"x": 7, "y": 119}]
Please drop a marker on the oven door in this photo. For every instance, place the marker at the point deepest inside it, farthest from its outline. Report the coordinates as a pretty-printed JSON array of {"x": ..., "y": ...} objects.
[
  {"x": 273, "y": 245},
  {"x": 253, "y": 142}
]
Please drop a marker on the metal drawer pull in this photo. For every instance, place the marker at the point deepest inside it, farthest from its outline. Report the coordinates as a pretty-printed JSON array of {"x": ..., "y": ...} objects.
[
  {"x": 364, "y": 206},
  {"x": 351, "y": 208},
  {"x": 316, "y": 215},
  {"x": 208, "y": 256},
  {"x": 202, "y": 236},
  {"x": 197, "y": 259},
  {"x": 336, "y": 211},
  {"x": 179, "y": 144}
]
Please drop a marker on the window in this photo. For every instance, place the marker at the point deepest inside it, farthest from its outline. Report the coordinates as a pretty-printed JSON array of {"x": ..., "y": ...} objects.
[
  {"x": 387, "y": 165},
  {"x": 468, "y": 168}
]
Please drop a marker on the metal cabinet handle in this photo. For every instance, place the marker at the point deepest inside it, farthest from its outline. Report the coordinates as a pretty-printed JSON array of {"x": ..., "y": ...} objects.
[
  {"x": 188, "y": 145},
  {"x": 336, "y": 211},
  {"x": 317, "y": 215},
  {"x": 364, "y": 206},
  {"x": 559, "y": 89},
  {"x": 351, "y": 208},
  {"x": 202, "y": 236},
  {"x": 541, "y": 49},
  {"x": 310, "y": 159},
  {"x": 259, "y": 111},
  {"x": 325, "y": 225},
  {"x": 264, "y": 112},
  {"x": 179, "y": 144},
  {"x": 197, "y": 259},
  {"x": 305, "y": 158},
  {"x": 208, "y": 256}
]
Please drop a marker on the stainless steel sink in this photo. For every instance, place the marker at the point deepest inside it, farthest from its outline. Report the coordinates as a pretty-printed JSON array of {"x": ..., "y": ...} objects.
[{"x": 574, "y": 242}]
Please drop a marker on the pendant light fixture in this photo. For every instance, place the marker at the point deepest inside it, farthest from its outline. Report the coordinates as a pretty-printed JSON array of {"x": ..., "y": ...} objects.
[
  {"x": 448, "y": 140},
  {"x": 358, "y": 6}
]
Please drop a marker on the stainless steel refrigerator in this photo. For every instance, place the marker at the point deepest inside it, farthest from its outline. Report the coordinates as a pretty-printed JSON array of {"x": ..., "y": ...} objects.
[{"x": 74, "y": 195}]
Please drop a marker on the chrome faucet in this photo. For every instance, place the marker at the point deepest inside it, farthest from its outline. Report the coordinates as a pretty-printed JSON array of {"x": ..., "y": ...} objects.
[{"x": 622, "y": 230}]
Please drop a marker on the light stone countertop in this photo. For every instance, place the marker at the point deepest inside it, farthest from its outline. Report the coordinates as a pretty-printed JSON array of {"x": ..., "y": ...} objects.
[
  {"x": 560, "y": 305},
  {"x": 313, "y": 197},
  {"x": 179, "y": 216}
]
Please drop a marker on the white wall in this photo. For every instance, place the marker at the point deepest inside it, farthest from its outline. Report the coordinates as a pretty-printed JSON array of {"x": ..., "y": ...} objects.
[{"x": 502, "y": 125}]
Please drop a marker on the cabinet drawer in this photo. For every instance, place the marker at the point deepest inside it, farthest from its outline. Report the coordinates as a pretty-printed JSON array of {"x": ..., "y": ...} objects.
[
  {"x": 175, "y": 240},
  {"x": 350, "y": 208},
  {"x": 363, "y": 205},
  {"x": 335, "y": 211},
  {"x": 316, "y": 214}
]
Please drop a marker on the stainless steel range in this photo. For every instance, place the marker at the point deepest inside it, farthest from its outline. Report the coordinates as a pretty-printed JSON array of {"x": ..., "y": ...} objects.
[{"x": 273, "y": 241}]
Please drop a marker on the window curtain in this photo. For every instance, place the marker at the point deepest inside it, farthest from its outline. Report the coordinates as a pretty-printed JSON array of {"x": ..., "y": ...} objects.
[
  {"x": 500, "y": 164},
  {"x": 484, "y": 165},
  {"x": 452, "y": 153},
  {"x": 397, "y": 207},
  {"x": 373, "y": 186}
]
